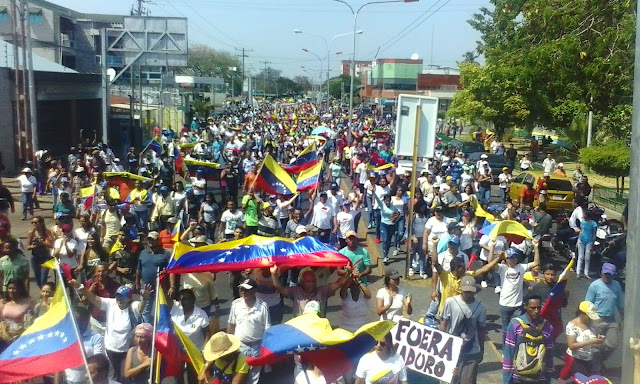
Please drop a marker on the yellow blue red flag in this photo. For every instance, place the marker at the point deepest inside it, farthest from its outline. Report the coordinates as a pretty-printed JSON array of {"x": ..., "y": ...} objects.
[
  {"x": 305, "y": 160},
  {"x": 273, "y": 179},
  {"x": 49, "y": 345},
  {"x": 175, "y": 233},
  {"x": 255, "y": 252},
  {"x": 156, "y": 146},
  {"x": 174, "y": 346},
  {"x": 88, "y": 195},
  {"x": 308, "y": 179},
  {"x": 334, "y": 351}
]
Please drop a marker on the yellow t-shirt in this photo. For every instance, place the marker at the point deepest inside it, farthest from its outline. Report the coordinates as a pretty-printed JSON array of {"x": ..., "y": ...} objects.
[
  {"x": 240, "y": 365},
  {"x": 450, "y": 286},
  {"x": 347, "y": 152}
]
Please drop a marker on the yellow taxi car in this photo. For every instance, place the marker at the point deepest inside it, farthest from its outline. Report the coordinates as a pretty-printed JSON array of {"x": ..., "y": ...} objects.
[{"x": 559, "y": 189}]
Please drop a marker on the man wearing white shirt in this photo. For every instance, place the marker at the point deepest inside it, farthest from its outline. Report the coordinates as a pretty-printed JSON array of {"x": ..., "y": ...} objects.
[
  {"x": 324, "y": 218},
  {"x": 485, "y": 245},
  {"x": 248, "y": 320},
  {"x": 336, "y": 197},
  {"x": 549, "y": 164}
]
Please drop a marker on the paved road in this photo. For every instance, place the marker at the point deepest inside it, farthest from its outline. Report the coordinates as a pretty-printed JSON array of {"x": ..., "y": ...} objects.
[{"x": 490, "y": 368}]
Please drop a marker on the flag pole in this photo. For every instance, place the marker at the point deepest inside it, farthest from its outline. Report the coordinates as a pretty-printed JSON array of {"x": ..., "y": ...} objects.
[
  {"x": 73, "y": 320},
  {"x": 155, "y": 325}
]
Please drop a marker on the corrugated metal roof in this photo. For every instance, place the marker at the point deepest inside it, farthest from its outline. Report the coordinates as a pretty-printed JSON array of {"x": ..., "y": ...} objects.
[{"x": 40, "y": 64}]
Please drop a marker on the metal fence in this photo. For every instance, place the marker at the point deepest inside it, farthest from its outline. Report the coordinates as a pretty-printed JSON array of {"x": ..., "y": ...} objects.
[{"x": 609, "y": 197}]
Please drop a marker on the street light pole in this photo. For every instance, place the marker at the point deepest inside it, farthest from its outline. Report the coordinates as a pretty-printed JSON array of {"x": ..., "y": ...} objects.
[{"x": 353, "y": 58}]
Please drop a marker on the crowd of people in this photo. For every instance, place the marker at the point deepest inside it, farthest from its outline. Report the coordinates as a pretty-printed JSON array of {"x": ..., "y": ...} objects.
[{"x": 113, "y": 249}]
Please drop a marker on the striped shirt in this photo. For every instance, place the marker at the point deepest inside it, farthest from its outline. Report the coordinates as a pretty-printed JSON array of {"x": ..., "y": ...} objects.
[{"x": 514, "y": 330}]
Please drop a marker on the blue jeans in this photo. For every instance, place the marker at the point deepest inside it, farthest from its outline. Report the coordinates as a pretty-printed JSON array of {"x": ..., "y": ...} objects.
[
  {"x": 386, "y": 231},
  {"x": 142, "y": 219},
  {"x": 484, "y": 195},
  {"x": 433, "y": 308},
  {"x": 584, "y": 257},
  {"x": 148, "y": 310},
  {"x": 377, "y": 217},
  {"x": 503, "y": 195},
  {"x": 27, "y": 203},
  {"x": 418, "y": 259},
  {"x": 40, "y": 273},
  {"x": 356, "y": 221},
  {"x": 506, "y": 314},
  {"x": 399, "y": 232}
]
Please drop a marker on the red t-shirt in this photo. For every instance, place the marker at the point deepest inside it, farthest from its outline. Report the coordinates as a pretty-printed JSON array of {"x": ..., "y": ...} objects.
[
  {"x": 166, "y": 239},
  {"x": 528, "y": 196}
]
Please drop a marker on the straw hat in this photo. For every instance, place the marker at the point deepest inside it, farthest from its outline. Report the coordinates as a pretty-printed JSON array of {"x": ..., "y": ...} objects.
[{"x": 220, "y": 345}]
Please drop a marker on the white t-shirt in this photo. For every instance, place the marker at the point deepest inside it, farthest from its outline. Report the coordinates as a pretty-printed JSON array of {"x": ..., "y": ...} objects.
[
  {"x": 374, "y": 370},
  {"x": 466, "y": 179},
  {"x": 232, "y": 220},
  {"x": 355, "y": 314},
  {"x": 395, "y": 311},
  {"x": 418, "y": 225},
  {"x": 72, "y": 244},
  {"x": 467, "y": 236},
  {"x": 380, "y": 192},
  {"x": 118, "y": 334},
  {"x": 201, "y": 183},
  {"x": 444, "y": 259},
  {"x": 504, "y": 180},
  {"x": 345, "y": 223},
  {"x": 362, "y": 173},
  {"x": 512, "y": 284},
  {"x": 486, "y": 240},
  {"x": 525, "y": 164},
  {"x": 251, "y": 323},
  {"x": 81, "y": 237},
  {"x": 27, "y": 184},
  {"x": 322, "y": 215},
  {"x": 335, "y": 201},
  {"x": 194, "y": 326},
  {"x": 585, "y": 353},
  {"x": 437, "y": 227}
]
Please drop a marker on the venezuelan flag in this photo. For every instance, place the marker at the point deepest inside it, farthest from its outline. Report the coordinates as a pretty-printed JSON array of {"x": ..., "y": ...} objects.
[
  {"x": 175, "y": 233},
  {"x": 116, "y": 247},
  {"x": 88, "y": 195},
  {"x": 174, "y": 346},
  {"x": 180, "y": 167},
  {"x": 511, "y": 230},
  {"x": 308, "y": 179},
  {"x": 211, "y": 170},
  {"x": 273, "y": 179},
  {"x": 555, "y": 301},
  {"x": 254, "y": 252},
  {"x": 155, "y": 146},
  {"x": 49, "y": 345},
  {"x": 125, "y": 182},
  {"x": 305, "y": 160},
  {"x": 479, "y": 211},
  {"x": 333, "y": 351}
]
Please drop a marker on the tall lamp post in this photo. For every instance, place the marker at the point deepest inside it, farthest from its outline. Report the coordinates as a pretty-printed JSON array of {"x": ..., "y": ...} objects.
[
  {"x": 328, "y": 47},
  {"x": 355, "y": 14}
]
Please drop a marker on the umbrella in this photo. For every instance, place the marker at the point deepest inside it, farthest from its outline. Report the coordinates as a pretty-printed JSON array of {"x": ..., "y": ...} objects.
[{"x": 320, "y": 131}]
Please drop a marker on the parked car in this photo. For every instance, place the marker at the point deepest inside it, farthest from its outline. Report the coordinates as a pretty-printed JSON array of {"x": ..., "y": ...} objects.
[
  {"x": 467, "y": 147},
  {"x": 560, "y": 190},
  {"x": 496, "y": 163}
]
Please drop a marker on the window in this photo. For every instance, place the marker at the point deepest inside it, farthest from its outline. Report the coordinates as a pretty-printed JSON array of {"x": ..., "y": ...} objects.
[
  {"x": 519, "y": 179},
  {"x": 35, "y": 16},
  {"x": 4, "y": 14}
]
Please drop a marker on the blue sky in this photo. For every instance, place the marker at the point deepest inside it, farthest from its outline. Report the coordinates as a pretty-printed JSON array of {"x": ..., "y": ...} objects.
[{"x": 267, "y": 27}]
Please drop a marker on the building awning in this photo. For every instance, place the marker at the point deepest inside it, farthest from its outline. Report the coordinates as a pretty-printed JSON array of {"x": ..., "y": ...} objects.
[
  {"x": 35, "y": 11},
  {"x": 136, "y": 108}
]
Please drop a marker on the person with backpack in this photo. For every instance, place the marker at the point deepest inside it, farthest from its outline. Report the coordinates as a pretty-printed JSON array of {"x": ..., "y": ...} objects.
[
  {"x": 527, "y": 355},
  {"x": 466, "y": 317}
]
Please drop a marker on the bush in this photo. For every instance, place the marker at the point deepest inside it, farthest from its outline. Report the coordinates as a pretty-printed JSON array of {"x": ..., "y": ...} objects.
[
  {"x": 507, "y": 137},
  {"x": 612, "y": 158}
]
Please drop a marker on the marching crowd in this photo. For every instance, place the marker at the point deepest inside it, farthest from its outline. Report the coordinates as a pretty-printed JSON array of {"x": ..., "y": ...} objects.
[{"x": 112, "y": 249}]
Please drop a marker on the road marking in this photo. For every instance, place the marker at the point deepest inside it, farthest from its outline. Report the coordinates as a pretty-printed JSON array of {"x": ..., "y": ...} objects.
[{"x": 495, "y": 350}]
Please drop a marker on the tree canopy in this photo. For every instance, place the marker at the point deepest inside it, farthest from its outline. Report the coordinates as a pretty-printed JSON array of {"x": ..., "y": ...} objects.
[
  {"x": 545, "y": 60},
  {"x": 205, "y": 61}
]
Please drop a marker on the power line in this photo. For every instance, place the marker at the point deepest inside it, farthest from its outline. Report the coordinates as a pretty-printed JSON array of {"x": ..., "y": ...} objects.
[
  {"x": 386, "y": 43},
  {"x": 395, "y": 40},
  {"x": 212, "y": 25}
]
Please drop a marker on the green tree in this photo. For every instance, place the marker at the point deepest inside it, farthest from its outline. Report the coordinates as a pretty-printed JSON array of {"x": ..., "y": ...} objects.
[
  {"x": 304, "y": 82},
  {"x": 613, "y": 158},
  {"x": 558, "y": 55},
  {"x": 337, "y": 83},
  {"x": 203, "y": 60}
]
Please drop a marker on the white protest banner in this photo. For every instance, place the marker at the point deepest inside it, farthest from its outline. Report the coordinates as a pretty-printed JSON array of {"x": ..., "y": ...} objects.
[{"x": 427, "y": 350}]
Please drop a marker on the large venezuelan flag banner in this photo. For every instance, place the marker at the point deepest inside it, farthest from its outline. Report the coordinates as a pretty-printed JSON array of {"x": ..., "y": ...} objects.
[
  {"x": 49, "y": 345},
  {"x": 333, "y": 351},
  {"x": 255, "y": 252}
]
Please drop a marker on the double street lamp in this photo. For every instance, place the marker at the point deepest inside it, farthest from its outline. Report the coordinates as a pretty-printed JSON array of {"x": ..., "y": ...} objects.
[
  {"x": 328, "y": 47},
  {"x": 353, "y": 58}
]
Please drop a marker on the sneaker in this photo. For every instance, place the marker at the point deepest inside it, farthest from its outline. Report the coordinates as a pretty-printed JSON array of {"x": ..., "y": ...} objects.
[
  {"x": 578, "y": 277},
  {"x": 377, "y": 240},
  {"x": 395, "y": 253},
  {"x": 588, "y": 277},
  {"x": 24, "y": 218},
  {"x": 483, "y": 284},
  {"x": 497, "y": 290},
  {"x": 411, "y": 272},
  {"x": 385, "y": 260},
  {"x": 370, "y": 226},
  {"x": 424, "y": 275}
]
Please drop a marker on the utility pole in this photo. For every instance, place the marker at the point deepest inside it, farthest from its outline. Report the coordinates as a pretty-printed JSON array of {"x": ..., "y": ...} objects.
[
  {"x": 265, "y": 77},
  {"x": 16, "y": 85},
  {"x": 140, "y": 11},
  {"x": 244, "y": 51},
  {"x": 33, "y": 112},
  {"x": 24, "y": 134}
]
